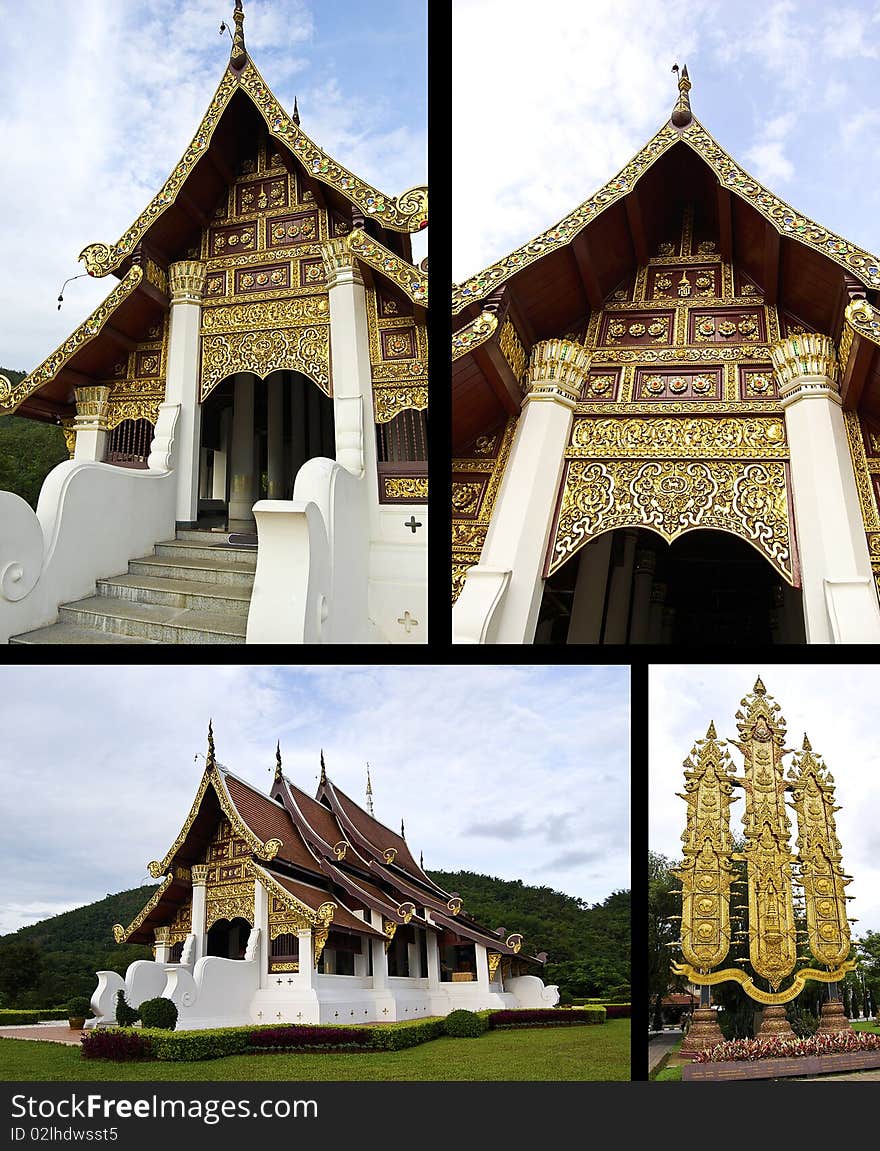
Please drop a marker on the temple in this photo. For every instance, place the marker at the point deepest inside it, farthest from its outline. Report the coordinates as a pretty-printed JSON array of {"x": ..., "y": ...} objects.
[
  {"x": 245, "y": 412},
  {"x": 666, "y": 418},
  {"x": 292, "y": 909}
]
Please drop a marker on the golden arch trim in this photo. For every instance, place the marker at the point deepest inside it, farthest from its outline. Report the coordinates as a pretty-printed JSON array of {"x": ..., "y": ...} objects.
[
  {"x": 305, "y": 350},
  {"x": 801, "y": 979},
  {"x": 745, "y": 498}
]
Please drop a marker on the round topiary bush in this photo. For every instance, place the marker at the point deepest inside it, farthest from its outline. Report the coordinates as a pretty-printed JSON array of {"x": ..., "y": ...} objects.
[
  {"x": 565, "y": 999},
  {"x": 78, "y": 1007},
  {"x": 125, "y": 1016},
  {"x": 464, "y": 1025},
  {"x": 159, "y": 1012}
]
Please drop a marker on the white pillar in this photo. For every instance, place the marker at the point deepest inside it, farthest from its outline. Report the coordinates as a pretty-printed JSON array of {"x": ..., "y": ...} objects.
[
  {"x": 275, "y": 436},
  {"x": 199, "y": 897},
  {"x": 90, "y": 423},
  {"x": 433, "y": 971},
  {"x": 350, "y": 357},
  {"x": 261, "y": 923},
  {"x": 161, "y": 948},
  {"x": 501, "y": 597},
  {"x": 482, "y": 967},
  {"x": 187, "y": 278},
  {"x": 380, "y": 959},
  {"x": 617, "y": 619},
  {"x": 840, "y": 601},
  {"x": 305, "y": 977},
  {"x": 241, "y": 494},
  {"x": 588, "y": 601},
  {"x": 643, "y": 579}
]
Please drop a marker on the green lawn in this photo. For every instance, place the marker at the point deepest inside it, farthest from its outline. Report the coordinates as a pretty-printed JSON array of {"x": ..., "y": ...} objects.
[{"x": 548, "y": 1053}]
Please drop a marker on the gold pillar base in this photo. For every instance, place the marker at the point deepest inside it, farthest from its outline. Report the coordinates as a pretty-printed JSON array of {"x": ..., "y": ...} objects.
[
  {"x": 703, "y": 1032},
  {"x": 833, "y": 1018},
  {"x": 775, "y": 1025}
]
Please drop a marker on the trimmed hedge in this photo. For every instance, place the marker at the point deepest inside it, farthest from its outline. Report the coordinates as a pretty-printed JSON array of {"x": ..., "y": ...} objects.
[
  {"x": 10, "y": 1017},
  {"x": 463, "y": 1024},
  {"x": 159, "y": 1013},
  {"x": 546, "y": 1017},
  {"x": 618, "y": 1010}
]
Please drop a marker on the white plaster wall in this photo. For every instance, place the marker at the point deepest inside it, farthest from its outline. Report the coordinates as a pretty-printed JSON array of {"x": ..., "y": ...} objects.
[
  {"x": 219, "y": 992},
  {"x": 530, "y": 992}
]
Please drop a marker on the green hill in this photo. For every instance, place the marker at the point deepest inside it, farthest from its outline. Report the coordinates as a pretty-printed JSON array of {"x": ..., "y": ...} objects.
[
  {"x": 588, "y": 947},
  {"x": 29, "y": 450}
]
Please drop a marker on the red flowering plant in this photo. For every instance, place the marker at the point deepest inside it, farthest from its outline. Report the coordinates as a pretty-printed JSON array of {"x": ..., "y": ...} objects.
[{"x": 832, "y": 1043}]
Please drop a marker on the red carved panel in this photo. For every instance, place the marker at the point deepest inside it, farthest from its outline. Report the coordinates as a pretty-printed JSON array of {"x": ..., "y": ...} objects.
[
  {"x": 684, "y": 282},
  {"x": 398, "y": 344},
  {"x": 311, "y": 273},
  {"x": 757, "y": 382},
  {"x": 147, "y": 364},
  {"x": 393, "y": 305},
  {"x": 700, "y": 383},
  {"x": 261, "y": 195},
  {"x": 229, "y": 241},
  {"x": 265, "y": 278},
  {"x": 726, "y": 326},
  {"x": 637, "y": 328},
  {"x": 602, "y": 384},
  {"x": 300, "y": 228},
  {"x": 339, "y": 226},
  {"x": 215, "y": 284},
  {"x": 744, "y": 285}
]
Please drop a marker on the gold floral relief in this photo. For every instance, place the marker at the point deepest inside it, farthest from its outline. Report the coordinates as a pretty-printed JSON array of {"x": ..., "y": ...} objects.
[{"x": 305, "y": 350}]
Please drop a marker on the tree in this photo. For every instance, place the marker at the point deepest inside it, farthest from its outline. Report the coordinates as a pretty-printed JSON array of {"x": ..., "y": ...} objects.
[
  {"x": 663, "y": 904},
  {"x": 20, "y": 964}
]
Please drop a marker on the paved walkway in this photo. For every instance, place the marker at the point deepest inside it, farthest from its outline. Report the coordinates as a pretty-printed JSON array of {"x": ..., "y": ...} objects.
[
  {"x": 659, "y": 1045},
  {"x": 52, "y": 1032}
]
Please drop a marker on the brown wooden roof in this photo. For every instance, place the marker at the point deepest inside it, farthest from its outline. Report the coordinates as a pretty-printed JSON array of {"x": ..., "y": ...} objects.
[{"x": 313, "y": 897}]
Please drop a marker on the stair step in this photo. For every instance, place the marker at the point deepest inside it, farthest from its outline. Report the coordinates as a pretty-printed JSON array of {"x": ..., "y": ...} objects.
[
  {"x": 177, "y": 592},
  {"x": 202, "y": 535},
  {"x": 197, "y": 549},
  {"x": 162, "y": 623},
  {"x": 220, "y": 571},
  {"x": 70, "y": 633}
]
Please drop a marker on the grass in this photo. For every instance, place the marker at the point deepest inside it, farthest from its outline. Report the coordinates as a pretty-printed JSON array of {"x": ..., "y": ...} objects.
[
  {"x": 668, "y": 1075},
  {"x": 547, "y": 1053}
]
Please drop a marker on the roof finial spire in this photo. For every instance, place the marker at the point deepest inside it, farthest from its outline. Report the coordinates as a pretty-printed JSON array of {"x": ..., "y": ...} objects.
[
  {"x": 278, "y": 762},
  {"x": 323, "y": 768},
  {"x": 295, "y": 112},
  {"x": 402, "y": 832},
  {"x": 369, "y": 791},
  {"x": 239, "y": 52},
  {"x": 209, "y": 762},
  {"x": 422, "y": 860},
  {"x": 681, "y": 113}
]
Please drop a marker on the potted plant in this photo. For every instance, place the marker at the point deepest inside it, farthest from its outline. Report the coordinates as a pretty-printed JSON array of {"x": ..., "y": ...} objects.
[{"x": 77, "y": 1010}]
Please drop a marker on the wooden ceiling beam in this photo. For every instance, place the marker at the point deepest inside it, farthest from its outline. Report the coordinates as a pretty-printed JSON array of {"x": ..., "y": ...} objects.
[
  {"x": 76, "y": 379},
  {"x": 861, "y": 357},
  {"x": 498, "y": 375},
  {"x": 636, "y": 227},
  {"x": 120, "y": 338},
  {"x": 725, "y": 224},
  {"x": 223, "y": 169},
  {"x": 580, "y": 246},
  {"x": 192, "y": 210},
  {"x": 772, "y": 253}
]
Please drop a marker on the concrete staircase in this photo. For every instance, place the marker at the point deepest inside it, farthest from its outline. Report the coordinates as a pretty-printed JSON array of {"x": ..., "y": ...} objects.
[{"x": 195, "y": 588}]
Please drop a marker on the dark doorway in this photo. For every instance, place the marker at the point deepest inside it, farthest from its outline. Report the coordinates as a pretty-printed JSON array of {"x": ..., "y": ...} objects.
[{"x": 227, "y": 938}]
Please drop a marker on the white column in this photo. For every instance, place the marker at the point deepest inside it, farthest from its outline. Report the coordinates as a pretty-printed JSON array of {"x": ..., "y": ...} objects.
[
  {"x": 380, "y": 959},
  {"x": 241, "y": 493},
  {"x": 187, "y": 278},
  {"x": 261, "y": 922},
  {"x": 433, "y": 971},
  {"x": 199, "y": 895},
  {"x": 617, "y": 620},
  {"x": 161, "y": 948},
  {"x": 840, "y": 602},
  {"x": 643, "y": 579},
  {"x": 482, "y": 967},
  {"x": 221, "y": 455},
  {"x": 90, "y": 423},
  {"x": 305, "y": 977},
  {"x": 588, "y": 601},
  {"x": 501, "y": 597},
  {"x": 275, "y": 436}
]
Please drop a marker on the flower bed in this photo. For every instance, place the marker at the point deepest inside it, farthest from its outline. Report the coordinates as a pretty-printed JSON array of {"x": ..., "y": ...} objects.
[
  {"x": 546, "y": 1017},
  {"x": 779, "y": 1058}
]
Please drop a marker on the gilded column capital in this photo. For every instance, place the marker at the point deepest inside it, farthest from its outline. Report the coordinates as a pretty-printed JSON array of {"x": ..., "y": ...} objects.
[
  {"x": 161, "y": 934},
  {"x": 187, "y": 278},
  {"x": 557, "y": 370},
  {"x": 199, "y": 874},
  {"x": 340, "y": 265},
  {"x": 91, "y": 407},
  {"x": 804, "y": 365}
]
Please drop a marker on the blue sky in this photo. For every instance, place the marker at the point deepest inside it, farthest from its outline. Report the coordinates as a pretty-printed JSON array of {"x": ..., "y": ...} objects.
[
  {"x": 101, "y": 99},
  {"x": 516, "y": 772},
  {"x": 551, "y": 100},
  {"x": 833, "y": 705}
]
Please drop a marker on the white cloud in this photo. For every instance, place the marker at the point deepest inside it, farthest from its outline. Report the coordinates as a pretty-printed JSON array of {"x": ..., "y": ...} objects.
[
  {"x": 829, "y": 703},
  {"x": 99, "y": 765}
]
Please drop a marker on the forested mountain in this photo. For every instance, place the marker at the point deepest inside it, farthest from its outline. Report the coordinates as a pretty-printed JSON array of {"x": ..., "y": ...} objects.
[
  {"x": 29, "y": 449},
  {"x": 588, "y": 947}
]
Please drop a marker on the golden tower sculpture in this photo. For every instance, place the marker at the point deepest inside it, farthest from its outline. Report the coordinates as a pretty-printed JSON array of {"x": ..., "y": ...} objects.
[{"x": 791, "y": 897}]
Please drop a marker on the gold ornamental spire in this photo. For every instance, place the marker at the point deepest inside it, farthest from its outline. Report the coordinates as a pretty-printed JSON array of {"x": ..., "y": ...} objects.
[
  {"x": 323, "y": 768},
  {"x": 239, "y": 52},
  {"x": 295, "y": 116},
  {"x": 210, "y": 760},
  {"x": 369, "y": 791},
  {"x": 278, "y": 762},
  {"x": 681, "y": 113}
]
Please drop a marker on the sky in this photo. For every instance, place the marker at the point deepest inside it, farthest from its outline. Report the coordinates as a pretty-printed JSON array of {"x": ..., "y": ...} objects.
[
  {"x": 508, "y": 771},
  {"x": 101, "y": 99},
  {"x": 834, "y": 705},
  {"x": 551, "y": 100}
]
